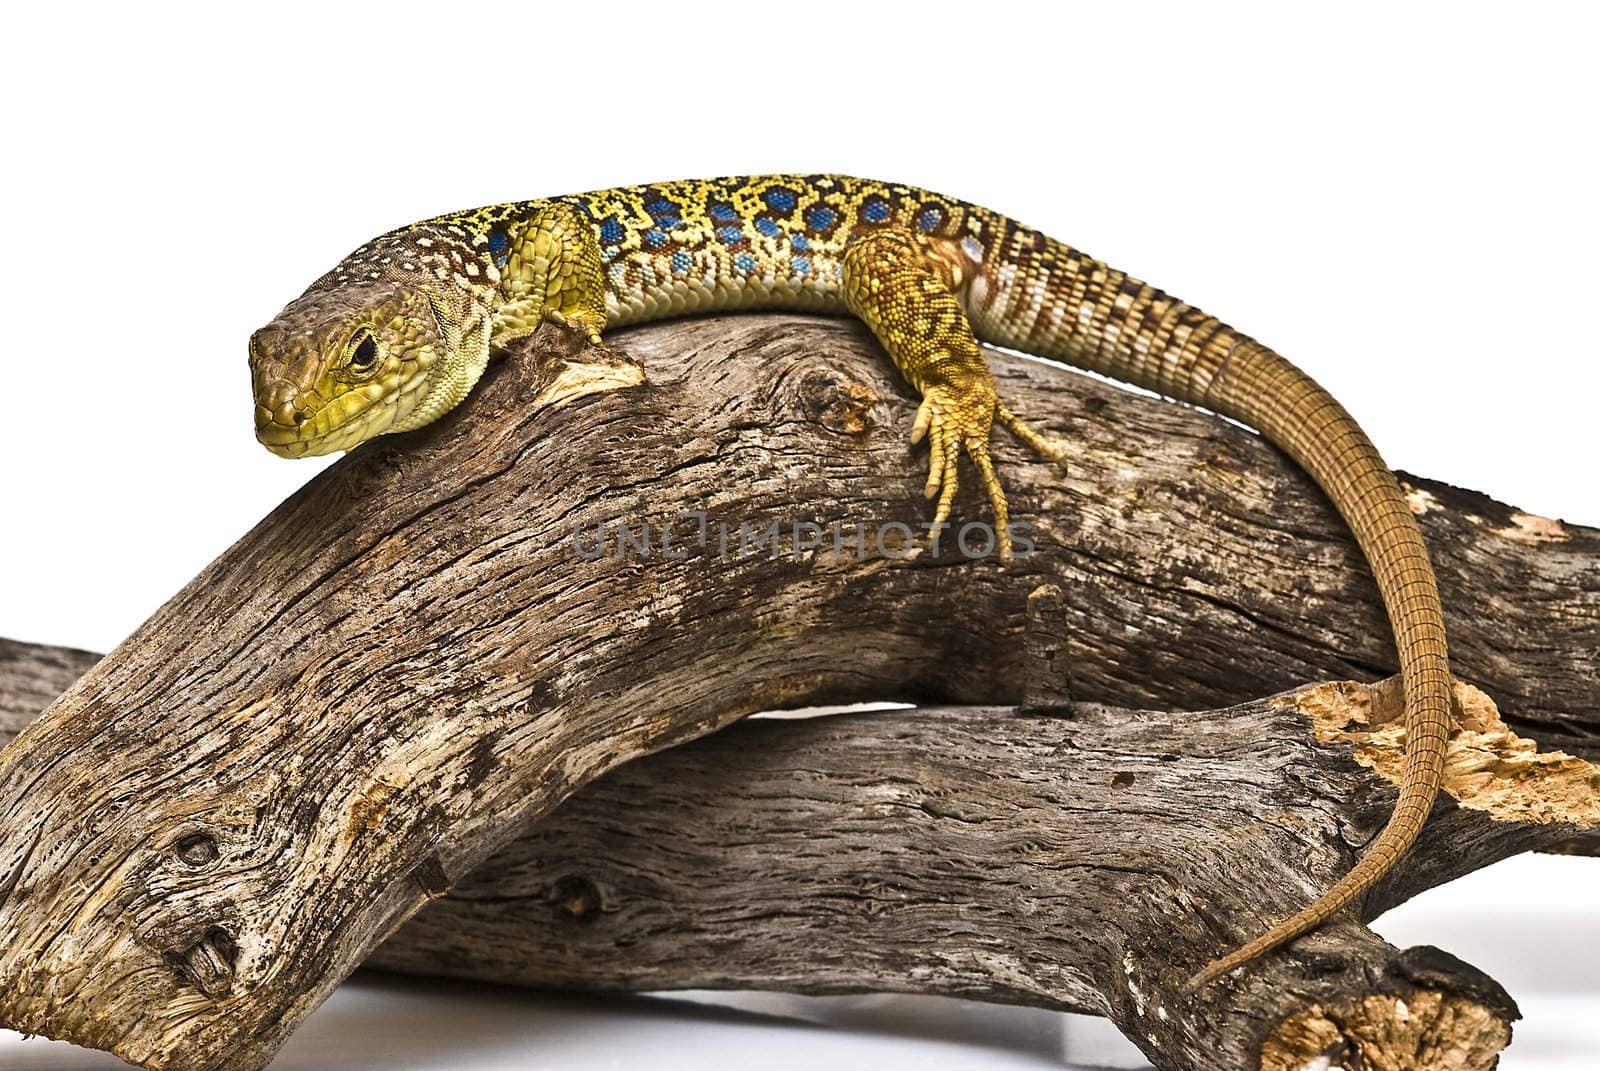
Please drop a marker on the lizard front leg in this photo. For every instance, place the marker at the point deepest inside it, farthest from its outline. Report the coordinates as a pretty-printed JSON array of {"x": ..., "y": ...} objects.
[
  {"x": 896, "y": 285},
  {"x": 552, "y": 271}
]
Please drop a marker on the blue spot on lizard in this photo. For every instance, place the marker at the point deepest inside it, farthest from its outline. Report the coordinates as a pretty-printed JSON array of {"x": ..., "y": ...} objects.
[{"x": 499, "y": 248}]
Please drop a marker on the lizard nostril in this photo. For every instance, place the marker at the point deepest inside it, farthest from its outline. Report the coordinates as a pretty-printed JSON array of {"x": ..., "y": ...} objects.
[{"x": 289, "y": 414}]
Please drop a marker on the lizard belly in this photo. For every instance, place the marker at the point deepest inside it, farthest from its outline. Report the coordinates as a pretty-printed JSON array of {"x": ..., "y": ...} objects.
[{"x": 641, "y": 287}]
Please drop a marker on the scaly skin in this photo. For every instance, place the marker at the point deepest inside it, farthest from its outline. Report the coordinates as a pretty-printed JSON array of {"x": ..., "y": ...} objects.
[{"x": 398, "y": 332}]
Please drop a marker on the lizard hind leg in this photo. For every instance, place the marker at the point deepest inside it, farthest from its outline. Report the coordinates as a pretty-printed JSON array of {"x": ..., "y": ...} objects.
[{"x": 904, "y": 293}]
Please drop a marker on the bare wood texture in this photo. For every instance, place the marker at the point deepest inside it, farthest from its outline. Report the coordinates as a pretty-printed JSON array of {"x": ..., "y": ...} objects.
[
  {"x": 401, "y": 668},
  {"x": 1077, "y": 860},
  {"x": 32, "y": 676}
]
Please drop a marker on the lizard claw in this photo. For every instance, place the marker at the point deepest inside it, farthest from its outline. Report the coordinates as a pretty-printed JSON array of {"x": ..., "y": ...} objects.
[
  {"x": 923, "y": 421},
  {"x": 1030, "y": 438},
  {"x": 585, "y": 327}
]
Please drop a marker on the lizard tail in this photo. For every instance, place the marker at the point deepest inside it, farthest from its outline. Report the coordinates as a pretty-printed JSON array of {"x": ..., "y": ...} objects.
[{"x": 1055, "y": 302}]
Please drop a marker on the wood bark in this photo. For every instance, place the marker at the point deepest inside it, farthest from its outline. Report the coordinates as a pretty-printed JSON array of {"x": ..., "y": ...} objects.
[{"x": 394, "y": 674}]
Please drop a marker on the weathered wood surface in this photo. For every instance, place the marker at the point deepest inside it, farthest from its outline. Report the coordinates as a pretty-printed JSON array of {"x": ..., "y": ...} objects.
[
  {"x": 1080, "y": 860},
  {"x": 32, "y": 676},
  {"x": 396, "y": 672}
]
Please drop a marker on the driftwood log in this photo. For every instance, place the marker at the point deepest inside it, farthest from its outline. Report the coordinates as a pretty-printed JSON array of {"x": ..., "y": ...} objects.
[{"x": 400, "y": 669}]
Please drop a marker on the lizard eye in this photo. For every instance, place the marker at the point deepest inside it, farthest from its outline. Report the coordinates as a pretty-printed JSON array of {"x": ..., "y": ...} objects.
[{"x": 363, "y": 350}]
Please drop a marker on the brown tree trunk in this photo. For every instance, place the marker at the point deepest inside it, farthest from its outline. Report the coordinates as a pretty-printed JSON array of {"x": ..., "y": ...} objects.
[{"x": 407, "y": 663}]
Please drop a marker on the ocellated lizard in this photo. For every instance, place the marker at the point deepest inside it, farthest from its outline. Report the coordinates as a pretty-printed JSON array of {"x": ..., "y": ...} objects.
[{"x": 399, "y": 331}]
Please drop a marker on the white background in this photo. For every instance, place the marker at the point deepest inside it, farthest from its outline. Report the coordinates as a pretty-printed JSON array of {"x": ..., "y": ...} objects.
[{"x": 1402, "y": 199}]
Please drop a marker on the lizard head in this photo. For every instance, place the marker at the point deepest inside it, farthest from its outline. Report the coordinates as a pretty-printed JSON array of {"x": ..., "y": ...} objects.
[{"x": 345, "y": 363}]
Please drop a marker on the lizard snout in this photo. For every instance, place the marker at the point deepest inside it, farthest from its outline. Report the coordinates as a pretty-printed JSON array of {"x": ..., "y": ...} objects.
[{"x": 282, "y": 404}]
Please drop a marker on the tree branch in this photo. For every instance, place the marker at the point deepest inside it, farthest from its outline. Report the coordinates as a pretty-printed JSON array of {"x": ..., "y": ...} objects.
[
  {"x": 395, "y": 674},
  {"x": 1083, "y": 860}
]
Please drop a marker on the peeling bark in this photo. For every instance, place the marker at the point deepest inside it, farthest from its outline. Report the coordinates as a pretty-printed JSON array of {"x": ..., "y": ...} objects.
[{"x": 395, "y": 673}]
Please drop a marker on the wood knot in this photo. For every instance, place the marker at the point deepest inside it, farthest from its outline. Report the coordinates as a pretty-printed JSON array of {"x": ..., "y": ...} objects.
[
  {"x": 208, "y": 964},
  {"x": 576, "y": 898},
  {"x": 196, "y": 850},
  {"x": 432, "y": 879},
  {"x": 837, "y": 402}
]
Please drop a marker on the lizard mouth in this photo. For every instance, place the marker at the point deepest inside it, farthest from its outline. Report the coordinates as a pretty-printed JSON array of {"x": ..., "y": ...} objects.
[
  {"x": 348, "y": 419},
  {"x": 339, "y": 425}
]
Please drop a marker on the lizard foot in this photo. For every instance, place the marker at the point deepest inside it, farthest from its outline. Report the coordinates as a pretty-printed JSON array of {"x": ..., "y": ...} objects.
[
  {"x": 584, "y": 344},
  {"x": 957, "y": 414},
  {"x": 581, "y": 335},
  {"x": 582, "y": 326}
]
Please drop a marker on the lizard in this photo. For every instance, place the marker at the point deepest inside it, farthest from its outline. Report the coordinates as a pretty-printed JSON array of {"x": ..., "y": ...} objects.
[{"x": 397, "y": 333}]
